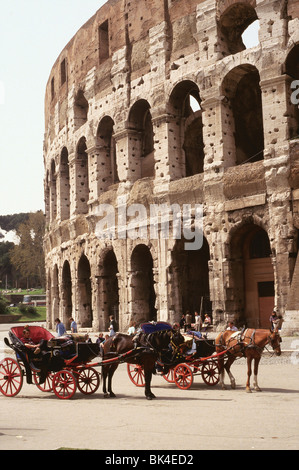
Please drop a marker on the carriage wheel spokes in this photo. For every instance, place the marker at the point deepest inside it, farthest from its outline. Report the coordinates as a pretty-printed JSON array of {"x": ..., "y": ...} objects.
[
  {"x": 88, "y": 380},
  {"x": 210, "y": 373},
  {"x": 11, "y": 377},
  {"x": 136, "y": 374},
  {"x": 47, "y": 386},
  {"x": 183, "y": 376},
  {"x": 169, "y": 377},
  {"x": 64, "y": 384}
]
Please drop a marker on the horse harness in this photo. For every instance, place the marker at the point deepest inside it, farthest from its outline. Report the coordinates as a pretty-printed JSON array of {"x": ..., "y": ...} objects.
[{"x": 240, "y": 337}]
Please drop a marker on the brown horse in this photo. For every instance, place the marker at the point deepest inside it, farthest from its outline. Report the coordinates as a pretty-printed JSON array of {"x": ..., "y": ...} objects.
[
  {"x": 250, "y": 344},
  {"x": 144, "y": 350}
]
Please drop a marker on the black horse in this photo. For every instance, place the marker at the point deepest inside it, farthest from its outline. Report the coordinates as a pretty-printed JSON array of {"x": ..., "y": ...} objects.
[{"x": 144, "y": 349}]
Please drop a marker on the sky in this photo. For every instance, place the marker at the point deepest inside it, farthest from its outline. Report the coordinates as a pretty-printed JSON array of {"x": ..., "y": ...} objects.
[{"x": 32, "y": 35}]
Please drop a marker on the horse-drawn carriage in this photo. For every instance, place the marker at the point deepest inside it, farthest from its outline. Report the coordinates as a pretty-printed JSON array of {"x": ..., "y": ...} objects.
[
  {"x": 64, "y": 364},
  {"x": 61, "y": 365},
  {"x": 195, "y": 356}
]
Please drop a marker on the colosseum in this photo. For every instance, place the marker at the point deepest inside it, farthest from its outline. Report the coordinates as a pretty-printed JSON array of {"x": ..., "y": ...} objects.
[{"x": 159, "y": 104}]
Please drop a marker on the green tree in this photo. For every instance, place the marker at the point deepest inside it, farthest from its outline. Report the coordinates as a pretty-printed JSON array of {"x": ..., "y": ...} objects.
[
  {"x": 28, "y": 257},
  {"x": 6, "y": 268}
]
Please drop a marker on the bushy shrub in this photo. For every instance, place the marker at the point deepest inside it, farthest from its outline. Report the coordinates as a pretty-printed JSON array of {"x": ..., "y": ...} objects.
[
  {"x": 3, "y": 306},
  {"x": 31, "y": 310},
  {"x": 27, "y": 309},
  {"x": 22, "y": 308}
]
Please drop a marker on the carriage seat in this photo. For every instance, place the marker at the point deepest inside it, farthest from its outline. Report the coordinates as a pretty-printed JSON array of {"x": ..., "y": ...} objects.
[{"x": 37, "y": 333}]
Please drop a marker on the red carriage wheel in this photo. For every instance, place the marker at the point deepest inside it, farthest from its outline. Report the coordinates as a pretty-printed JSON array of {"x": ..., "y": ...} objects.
[
  {"x": 136, "y": 374},
  {"x": 47, "y": 385},
  {"x": 11, "y": 377},
  {"x": 64, "y": 384},
  {"x": 169, "y": 377},
  {"x": 210, "y": 373},
  {"x": 88, "y": 380},
  {"x": 183, "y": 376}
]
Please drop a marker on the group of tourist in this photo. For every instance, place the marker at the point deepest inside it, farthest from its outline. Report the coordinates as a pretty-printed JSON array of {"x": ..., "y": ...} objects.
[
  {"x": 199, "y": 325},
  {"x": 186, "y": 323}
]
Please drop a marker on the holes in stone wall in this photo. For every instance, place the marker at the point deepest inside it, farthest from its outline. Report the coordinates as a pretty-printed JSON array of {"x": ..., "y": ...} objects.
[{"x": 82, "y": 185}]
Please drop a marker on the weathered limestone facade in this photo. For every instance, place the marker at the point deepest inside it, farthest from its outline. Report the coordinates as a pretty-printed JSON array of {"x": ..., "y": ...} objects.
[{"x": 120, "y": 125}]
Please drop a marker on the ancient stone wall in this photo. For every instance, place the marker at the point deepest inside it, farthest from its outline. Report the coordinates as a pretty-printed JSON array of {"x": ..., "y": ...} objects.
[{"x": 159, "y": 104}]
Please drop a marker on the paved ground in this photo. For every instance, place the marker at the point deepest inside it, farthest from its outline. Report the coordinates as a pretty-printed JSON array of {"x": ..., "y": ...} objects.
[{"x": 200, "y": 418}]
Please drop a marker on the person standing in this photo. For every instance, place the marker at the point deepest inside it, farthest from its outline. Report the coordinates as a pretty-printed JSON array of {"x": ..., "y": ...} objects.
[
  {"x": 188, "y": 321},
  {"x": 273, "y": 319},
  {"x": 198, "y": 322},
  {"x": 60, "y": 328},
  {"x": 207, "y": 322},
  {"x": 231, "y": 326},
  {"x": 112, "y": 326},
  {"x": 132, "y": 328},
  {"x": 182, "y": 322},
  {"x": 74, "y": 328}
]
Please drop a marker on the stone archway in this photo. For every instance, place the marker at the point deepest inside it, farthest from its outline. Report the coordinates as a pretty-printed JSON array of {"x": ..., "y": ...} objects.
[
  {"x": 242, "y": 104},
  {"x": 142, "y": 139},
  {"x": 184, "y": 103},
  {"x": 143, "y": 296},
  {"x": 84, "y": 305},
  {"x": 253, "y": 289},
  {"x": 189, "y": 273},
  {"x": 232, "y": 23},
  {"x": 110, "y": 288},
  {"x": 66, "y": 294}
]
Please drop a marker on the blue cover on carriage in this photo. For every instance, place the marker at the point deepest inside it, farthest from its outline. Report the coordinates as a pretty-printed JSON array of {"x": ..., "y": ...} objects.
[{"x": 152, "y": 327}]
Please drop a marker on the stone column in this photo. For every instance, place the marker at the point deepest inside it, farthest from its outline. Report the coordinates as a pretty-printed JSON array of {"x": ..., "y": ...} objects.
[
  {"x": 99, "y": 171},
  {"x": 128, "y": 153},
  {"x": 207, "y": 35},
  {"x": 169, "y": 155}
]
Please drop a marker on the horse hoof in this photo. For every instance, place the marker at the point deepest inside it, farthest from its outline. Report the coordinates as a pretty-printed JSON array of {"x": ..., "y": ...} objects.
[
  {"x": 106, "y": 395},
  {"x": 112, "y": 395},
  {"x": 148, "y": 397},
  {"x": 248, "y": 390},
  {"x": 258, "y": 389},
  {"x": 233, "y": 385}
]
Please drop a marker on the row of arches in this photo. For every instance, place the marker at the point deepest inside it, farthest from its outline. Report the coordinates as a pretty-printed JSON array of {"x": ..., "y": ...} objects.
[
  {"x": 93, "y": 290},
  {"x": 74, "y": 180}
]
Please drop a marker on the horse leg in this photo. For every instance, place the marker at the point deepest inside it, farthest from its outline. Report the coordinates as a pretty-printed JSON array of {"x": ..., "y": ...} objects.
[
  {"x": 255, "y": 372},
  {"x": 108, "y": 372},
  {"x": 104, "y": 374},
  {"x": 249, "y": 360},
  {"x": 221, "y": 372},
  {"x": 148, "y": 372},
  {"x": 227, "y": 366},
  {"x": 112, "y": 369}
]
